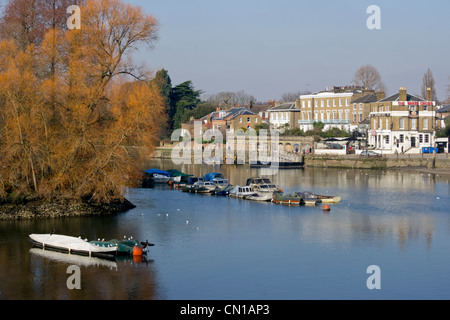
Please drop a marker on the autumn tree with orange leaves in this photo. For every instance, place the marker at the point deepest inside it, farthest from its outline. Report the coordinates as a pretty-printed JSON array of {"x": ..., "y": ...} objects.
[{"x": 77, "y": 116}]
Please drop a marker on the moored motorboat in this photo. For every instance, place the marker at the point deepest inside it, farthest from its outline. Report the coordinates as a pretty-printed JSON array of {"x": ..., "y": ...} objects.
[
  {"x": 178, "y": 177},
  {"x": 222, "y": 191},
  {"x": 200, "y": 187},
  {"x": 242, "y": 191},
  {"x": 260, "y": 185},
  {"x": 159, "y": 176},
  {"x": 265, "y": 197},
  {"x": 308, "y": 198},
  {"x": 72, "y": 245},
  {"x": 126, "y": 246},
  {"x": 328, "y": 199},
  {"x": 289, "y": 199}
]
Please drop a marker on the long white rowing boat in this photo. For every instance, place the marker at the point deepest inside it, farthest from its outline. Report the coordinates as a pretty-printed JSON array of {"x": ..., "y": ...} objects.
[{"x": 72, "y": 245}]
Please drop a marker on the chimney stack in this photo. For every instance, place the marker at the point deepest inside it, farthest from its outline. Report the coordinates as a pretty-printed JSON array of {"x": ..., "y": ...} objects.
[
  {"x": 297, "y": 104},
  {"x": 429, "y": 94},
  {"x": 402, "y": 94},
  {"x": 381, "y": 95}
]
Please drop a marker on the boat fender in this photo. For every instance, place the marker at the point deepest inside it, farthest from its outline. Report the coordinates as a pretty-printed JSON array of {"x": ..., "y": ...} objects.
[{"x": 137, "y": 251}]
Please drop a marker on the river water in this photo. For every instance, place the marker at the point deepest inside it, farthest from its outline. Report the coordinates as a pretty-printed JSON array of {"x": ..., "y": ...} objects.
[{"x": 221, "y": 248}]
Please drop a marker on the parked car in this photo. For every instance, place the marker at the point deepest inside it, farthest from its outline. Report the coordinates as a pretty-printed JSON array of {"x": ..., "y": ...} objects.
[{"x": 370, "y": 153}]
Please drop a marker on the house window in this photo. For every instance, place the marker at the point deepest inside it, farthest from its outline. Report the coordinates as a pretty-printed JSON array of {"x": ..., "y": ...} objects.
[
  {"x": 420, "y": 138},
  {"x": 413, "y": 124},
  {"x": 425, "y": 124},
  {"x": 402, "y": 123},
  {"x": 256, "y": 120},
  {"x": 347, "y": 102},
  {"x": 323, "y": 103},
  {"x": 334, "y": 102},
  {"x": 387, "y": 124},
  {"x": 240, "y": 120},
  {"x": 340, "y": 102},
  {"x": 354, "y": 117},
  {"x": 387, "y": 139},
  {"x": 328, "y": 103},
  {"x": 427, "y": 138},
  {"x": 360, "y": 117},
  {"x": 309, "y": 104},
  {"x": 354, "y": 106},
  {"x": 402, "y": 138},
  {"x": 249, "y": 120}
]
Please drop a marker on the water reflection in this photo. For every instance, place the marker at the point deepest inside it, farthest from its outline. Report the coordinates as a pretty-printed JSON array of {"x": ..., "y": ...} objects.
[{"x": 224, "y": 248}]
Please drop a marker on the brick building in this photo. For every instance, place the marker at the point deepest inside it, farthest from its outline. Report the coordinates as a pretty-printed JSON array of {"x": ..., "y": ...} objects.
[
  {"x": 403, "y": 123},
  {"x": 341, "y": 107}
]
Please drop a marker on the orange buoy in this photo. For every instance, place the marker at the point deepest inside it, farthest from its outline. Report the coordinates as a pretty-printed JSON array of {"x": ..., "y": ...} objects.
[
  {"x": 137, "y": 251},
  {"x": 326, "y": 208}
]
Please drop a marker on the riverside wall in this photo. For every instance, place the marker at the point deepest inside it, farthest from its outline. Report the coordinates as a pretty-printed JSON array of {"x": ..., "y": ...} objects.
[
  {"x": 440, "y": 161},
  {"x": 378, "y": 163}
]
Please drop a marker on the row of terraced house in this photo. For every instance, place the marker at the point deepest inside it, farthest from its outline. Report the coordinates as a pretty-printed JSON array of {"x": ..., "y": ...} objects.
[{"x": 399, "y": 123}]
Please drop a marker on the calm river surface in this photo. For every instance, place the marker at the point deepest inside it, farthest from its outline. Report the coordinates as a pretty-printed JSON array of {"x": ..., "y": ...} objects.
[{"x": 221, "y": 248}]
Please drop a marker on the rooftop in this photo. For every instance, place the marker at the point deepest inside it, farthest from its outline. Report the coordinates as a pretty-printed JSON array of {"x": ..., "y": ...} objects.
[
  {"x": 366, "y": 99},
  {"x": 409, "y": 97},
  {"x": 290, "y": 106},
  {"x": 444, "y": 109},
  {"x": 228, "y": 114}
]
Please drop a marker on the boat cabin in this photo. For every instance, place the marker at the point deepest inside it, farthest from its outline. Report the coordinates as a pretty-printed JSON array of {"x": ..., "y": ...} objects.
[{"x": 193, "y": 180}]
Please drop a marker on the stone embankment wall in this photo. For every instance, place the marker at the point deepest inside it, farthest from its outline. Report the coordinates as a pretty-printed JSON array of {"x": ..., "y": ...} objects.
[{"x": 376, "y": 163}]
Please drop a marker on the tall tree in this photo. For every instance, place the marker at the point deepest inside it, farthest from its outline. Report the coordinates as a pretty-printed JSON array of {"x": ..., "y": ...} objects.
[
  {"x": 293, "y": 96},
  {"x": 428, "y": 82},
  {"x": 163, "y": 82},
  {"x": 27, "y": 21},
  {"x": 103, "y": 122},
  {"x": 229, "y": 99},
  {"x": 183, "y": 97},
  {"x": 369, "y": 77}
]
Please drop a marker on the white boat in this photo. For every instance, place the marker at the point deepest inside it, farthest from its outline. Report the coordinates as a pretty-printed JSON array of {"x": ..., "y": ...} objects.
[
  {"x": 221, "y": 182},
  {"x": 263, "y": 185},
  {"x": 328, "y": 199},
  {"x": 242, "y": 191},
  {"x": 203, "y": 187},
  {"x": 72, "y": 245},
  {"x": 259, "y": 197},
  {"x": 159, "y": 178}
]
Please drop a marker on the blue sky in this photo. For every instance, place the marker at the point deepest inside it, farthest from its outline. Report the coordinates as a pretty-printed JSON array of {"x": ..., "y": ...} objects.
[{"x": 269, "y": 47}]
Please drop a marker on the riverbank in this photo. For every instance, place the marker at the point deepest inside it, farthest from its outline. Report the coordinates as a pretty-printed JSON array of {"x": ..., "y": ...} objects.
[
  {"x": 46, "y": 210},
  {"x": 417, "y": 163}
]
